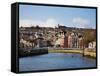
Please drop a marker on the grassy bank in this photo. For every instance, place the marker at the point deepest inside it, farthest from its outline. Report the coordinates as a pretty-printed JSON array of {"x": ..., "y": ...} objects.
[
  {"x": 86, "y": 53},
  {"x": 65, "y": 51}
]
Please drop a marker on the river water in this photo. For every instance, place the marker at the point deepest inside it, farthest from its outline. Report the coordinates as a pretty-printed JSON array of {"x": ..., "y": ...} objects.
[{"x": 55, "y": 61}]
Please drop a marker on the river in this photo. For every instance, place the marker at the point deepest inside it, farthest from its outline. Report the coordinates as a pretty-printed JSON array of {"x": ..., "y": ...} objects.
[{"x": 55, "y": 61}]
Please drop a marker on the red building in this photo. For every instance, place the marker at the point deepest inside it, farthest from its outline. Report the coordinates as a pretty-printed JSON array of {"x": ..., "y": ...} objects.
[{"x": 65, "y": 42}]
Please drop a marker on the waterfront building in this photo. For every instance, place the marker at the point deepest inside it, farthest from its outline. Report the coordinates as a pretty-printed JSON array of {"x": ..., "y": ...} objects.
[
  {"x": 69, "y": 41},
  {"x": 61, "y": 36},
  {"x": 73, "y": 40},
  {"x": 92, "y": 44},
  {"x": 80, "y": 42}
]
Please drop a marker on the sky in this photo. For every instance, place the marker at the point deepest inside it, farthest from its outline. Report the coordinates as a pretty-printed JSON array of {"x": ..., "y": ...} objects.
[{"x": 48, "y": 16}]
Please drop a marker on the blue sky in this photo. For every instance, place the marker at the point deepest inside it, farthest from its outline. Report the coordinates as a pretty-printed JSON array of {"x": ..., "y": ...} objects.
[{"x": 51, "y": 16}]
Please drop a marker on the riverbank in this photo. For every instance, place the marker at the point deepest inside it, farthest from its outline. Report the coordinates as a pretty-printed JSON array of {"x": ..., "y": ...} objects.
[
  {"x": 32, "y": 52},
  {"x": 40, "y": 51},
  {"x": 86, "y": 53}
]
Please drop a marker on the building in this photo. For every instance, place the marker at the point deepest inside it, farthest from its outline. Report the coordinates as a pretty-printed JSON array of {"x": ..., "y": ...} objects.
[
  {"x": 62, "y": 36},
  {"x": 92, "y": 45},
  {"x": 69, "y": 41},
  {"x": 73, "y": 40}
]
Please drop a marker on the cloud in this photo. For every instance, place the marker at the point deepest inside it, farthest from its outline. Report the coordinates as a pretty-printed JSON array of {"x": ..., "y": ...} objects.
[
  {"x": 48, "y": 23},
  {"x": 51, "y": 23},
  {"x": 77, "y": 22},
  {"x": 81, "y": 22}
]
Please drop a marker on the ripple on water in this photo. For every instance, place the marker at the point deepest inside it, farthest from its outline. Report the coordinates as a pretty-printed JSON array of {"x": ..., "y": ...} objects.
[{"x": 55, "y": 61}]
